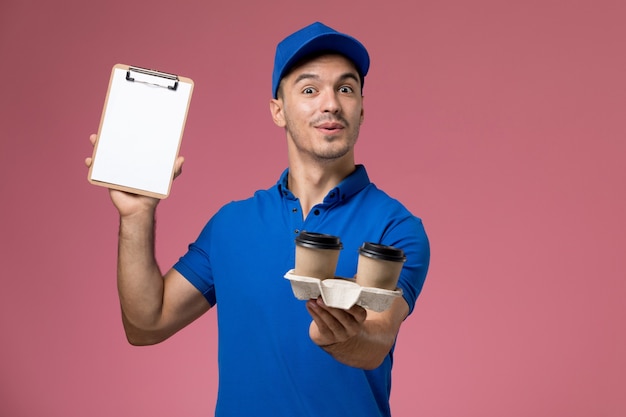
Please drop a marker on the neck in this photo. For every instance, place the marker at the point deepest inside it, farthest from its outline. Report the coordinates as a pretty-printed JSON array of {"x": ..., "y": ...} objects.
[{"x": 311, "y": 183}]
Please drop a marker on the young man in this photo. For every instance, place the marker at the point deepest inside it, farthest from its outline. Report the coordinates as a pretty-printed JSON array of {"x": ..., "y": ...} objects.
[{"x": 279, "y": 356}]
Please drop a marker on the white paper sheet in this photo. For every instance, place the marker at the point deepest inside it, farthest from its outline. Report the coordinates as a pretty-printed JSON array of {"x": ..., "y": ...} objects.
[{"x": 140, "y": 134}]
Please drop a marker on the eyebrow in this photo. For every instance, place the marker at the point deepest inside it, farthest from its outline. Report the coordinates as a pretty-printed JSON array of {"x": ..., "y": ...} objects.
[{"x": 344, "y": 76}]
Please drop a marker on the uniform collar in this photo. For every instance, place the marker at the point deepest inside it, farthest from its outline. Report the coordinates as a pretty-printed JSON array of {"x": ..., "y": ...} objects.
[{"x": 350, "y": 185}]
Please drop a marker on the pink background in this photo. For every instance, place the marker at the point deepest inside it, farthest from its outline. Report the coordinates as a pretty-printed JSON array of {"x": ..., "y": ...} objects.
[{"x": 502, "y": 124}]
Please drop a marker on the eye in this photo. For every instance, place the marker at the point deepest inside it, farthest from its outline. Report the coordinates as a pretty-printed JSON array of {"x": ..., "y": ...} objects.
[
  {"x": 345, "y": 89},
  {"x": 308, "y": 90}
]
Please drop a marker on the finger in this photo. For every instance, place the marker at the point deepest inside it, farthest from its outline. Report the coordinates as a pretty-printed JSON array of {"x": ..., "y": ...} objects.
[
  {"x": 346, "y": 323},
  {"x": 355, "y": 313},
  {"x": 325, "y": 321},
  {"x": 316, "y": 315},
  {"x": 92, "y": 139},
  {"x": 358, "y": 312},
  {"x": 333, "y": 323},
  {"x": 178, "y": 166},
  {"x": 320, "y": 332}
]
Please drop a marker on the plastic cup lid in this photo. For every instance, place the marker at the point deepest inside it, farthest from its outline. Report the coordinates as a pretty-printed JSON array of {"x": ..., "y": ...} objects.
[
  {"x": 318, "y": 240},
  {"x": 383, "y": 252}
]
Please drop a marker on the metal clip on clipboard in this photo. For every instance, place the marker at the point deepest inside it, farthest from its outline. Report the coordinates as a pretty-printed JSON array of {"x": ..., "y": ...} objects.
[{"x": 147, "y": 76}]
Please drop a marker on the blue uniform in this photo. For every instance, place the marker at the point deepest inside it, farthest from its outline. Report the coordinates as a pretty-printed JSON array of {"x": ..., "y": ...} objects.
[{"x": 268, "y": 365}]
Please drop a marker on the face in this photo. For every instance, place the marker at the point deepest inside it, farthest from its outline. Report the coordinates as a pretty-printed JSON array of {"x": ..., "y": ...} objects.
[{"x": 321, "y": 107}]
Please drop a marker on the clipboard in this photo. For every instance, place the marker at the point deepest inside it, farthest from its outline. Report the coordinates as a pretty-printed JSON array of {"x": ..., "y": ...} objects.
[{"x": 140, "y": 131}]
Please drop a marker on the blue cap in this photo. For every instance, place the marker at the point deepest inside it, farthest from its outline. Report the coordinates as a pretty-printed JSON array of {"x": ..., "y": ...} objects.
[{"x": 317, "y": 38}]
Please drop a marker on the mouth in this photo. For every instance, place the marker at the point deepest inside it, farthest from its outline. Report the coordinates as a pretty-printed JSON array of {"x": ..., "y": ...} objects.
[{"x": 330, "y": 127}]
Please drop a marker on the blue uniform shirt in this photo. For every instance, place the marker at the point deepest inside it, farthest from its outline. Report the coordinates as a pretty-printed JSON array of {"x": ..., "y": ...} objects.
[{"x": 268, "y": 365}]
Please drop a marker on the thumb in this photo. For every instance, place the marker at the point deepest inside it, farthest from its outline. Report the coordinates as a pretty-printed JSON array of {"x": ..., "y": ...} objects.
[{"x": 178, "y": 166}]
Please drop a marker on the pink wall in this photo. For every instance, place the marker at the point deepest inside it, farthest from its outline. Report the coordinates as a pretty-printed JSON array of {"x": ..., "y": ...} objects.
[{"x": 501, "y": 124}]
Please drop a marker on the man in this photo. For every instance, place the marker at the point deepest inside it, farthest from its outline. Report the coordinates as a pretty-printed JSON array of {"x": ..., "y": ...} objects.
[{"x": 279, "y": 356}]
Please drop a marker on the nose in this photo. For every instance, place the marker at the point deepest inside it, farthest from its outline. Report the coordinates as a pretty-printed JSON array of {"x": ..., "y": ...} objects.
[{"x": 330, "y": 102}]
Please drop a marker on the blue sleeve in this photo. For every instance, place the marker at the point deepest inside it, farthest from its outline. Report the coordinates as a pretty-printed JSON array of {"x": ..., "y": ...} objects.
[
  {"x": 195, "y": 265},
  {"x": 410, "y": 236}
]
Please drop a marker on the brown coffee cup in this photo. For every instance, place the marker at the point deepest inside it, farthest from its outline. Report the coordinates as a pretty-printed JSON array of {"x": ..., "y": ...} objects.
[
  {"x": 379, "y": 266},
  {"x": 317, "y": 255}
]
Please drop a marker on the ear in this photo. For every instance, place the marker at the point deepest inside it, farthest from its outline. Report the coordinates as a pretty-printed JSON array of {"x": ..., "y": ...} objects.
[
  {"x": 362, "y": 111},
  {"x": 276, "y": 109}
]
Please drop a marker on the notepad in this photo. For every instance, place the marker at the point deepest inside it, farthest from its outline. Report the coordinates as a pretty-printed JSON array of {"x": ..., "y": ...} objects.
[{"x": 140, "y": 131}]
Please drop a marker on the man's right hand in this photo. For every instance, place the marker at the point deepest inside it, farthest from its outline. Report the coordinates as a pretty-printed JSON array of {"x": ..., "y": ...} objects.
[{"x": 129, "y": 204}]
